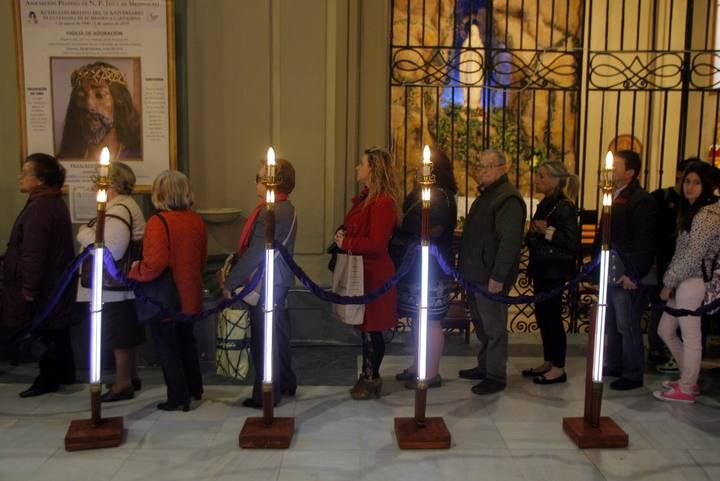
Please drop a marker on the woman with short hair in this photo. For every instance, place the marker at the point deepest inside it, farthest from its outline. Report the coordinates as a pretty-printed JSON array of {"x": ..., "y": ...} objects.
[
  {"x": 175, "y": 238},
  {"x": 251, "y": 253},
  {"x": 124, "y": 225},
  {"x": 366, "y": 232},
  {"x": 39, "y": 251}
]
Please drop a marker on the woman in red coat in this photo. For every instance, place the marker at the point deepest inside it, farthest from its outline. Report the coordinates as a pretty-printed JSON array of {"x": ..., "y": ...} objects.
[
  {"x": 175, "y": 237},
  {"x": 366, "y": 232}
]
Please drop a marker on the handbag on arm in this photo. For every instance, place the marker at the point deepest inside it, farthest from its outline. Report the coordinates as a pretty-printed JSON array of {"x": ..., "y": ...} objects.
[
  {"x": 133, "y": 252},
  {"x": 161, "y": 289}
]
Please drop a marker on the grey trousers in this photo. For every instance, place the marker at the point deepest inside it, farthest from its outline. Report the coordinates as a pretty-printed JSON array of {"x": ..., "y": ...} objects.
[{"x": 490, "y": 321}]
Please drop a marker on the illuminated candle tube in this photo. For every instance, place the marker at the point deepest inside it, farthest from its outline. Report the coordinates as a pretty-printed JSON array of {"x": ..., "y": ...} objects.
[{"x": 268, "y": 351}]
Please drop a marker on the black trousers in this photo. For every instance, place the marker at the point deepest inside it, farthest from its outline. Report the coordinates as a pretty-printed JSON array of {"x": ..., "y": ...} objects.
[
  {"x": 549, "y": 318},
  {"x": 177, "y": 354},
  {"x": 57, "y": 364},
  {"x": 373, "y": 345},
  {"x": 284, "y": 378}
]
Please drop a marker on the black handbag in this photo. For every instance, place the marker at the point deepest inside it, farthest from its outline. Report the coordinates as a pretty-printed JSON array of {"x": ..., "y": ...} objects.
[
  {"x": 132, "y": 254},
  {"x": 162, "y": 290}
]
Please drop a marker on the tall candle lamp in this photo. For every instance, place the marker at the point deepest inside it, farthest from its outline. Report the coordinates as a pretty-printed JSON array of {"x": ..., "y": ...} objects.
[
  {"x": 96, "y": 432},
  {"x": 421, "y": 432},
  {"x": 268, "y": 431},
  {"x": 592, "y": 430}
]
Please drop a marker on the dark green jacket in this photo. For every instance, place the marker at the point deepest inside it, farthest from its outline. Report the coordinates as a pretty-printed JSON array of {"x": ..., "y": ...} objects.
[{"x": 493, "y": 234}]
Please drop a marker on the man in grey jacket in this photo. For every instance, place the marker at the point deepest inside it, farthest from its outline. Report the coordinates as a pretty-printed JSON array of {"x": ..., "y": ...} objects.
[{"x": 490, "y": 256}]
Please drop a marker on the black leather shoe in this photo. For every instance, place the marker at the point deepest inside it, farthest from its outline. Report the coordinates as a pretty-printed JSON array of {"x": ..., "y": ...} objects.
[
  {"x": 124, "y": 395},
  {"x": 531, "y": 372},
  {"x": 289, "y": 391},
  {"x": 173, "y": 406},
  {"x": 136, "y": 384},
  {"x": 623, "y": 384},
  {"x": 35, "y": 390},
  {"x": 406, "y": 375},
  {"x": 541, "y": 379},
  {"x": 435, "y": 381},
  {"x": 488, "y": 386},
  {"x": 472, "y": 373}
]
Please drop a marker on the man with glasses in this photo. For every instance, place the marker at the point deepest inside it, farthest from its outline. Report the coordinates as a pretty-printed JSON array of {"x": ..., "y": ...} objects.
[{"x": 490, "y": 256}]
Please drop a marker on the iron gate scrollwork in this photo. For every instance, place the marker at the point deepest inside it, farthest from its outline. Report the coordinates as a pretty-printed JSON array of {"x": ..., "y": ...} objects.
[{"x": 525, "y": 76}]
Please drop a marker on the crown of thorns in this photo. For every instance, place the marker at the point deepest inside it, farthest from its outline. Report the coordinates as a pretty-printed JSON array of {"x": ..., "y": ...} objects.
[{"x": 98, "y": 72}]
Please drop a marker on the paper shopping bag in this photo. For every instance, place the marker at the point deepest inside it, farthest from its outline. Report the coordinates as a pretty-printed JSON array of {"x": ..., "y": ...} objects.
[{"x": 348, "y": 281}]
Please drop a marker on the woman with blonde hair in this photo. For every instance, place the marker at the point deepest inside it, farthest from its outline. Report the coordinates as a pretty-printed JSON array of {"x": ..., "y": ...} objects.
[
  {"x": 553, "y": 244},
  {"x": 124, "y": 224},
  {"x": 175, "y": 238},
  {"x": 366, "y": 232}
]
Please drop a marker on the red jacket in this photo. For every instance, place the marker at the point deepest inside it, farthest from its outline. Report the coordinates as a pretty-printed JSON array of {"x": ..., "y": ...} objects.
[
  {"x": 186, "y": 257},
  {"x": 368, "y": 234}
]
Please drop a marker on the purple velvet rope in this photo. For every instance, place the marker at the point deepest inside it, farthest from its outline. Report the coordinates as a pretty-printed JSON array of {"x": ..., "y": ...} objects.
[
  {"x": 523, "y": 299},
  {"x": 136, "y": 287},
  {"x": 65, "y": 279},
  {"x": 330, "y": 296}
]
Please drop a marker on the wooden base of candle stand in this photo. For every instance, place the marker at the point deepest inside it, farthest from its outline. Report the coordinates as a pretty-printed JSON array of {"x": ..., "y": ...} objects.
[
  {"x": 606, "y": 435},
  {"x": 258, "y": 434},
  {"x": 89, "y": 434},
  {"x": 433, "y": 435}
]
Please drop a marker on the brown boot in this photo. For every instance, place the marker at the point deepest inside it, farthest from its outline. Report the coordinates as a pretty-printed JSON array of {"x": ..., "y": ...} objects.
[
  {"x": 367, "y": 389},
  {"x": 358, "y": 383}
]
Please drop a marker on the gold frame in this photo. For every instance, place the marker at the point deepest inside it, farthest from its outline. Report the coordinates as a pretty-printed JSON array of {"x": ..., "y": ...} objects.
[{"x": 172, "y": 94}]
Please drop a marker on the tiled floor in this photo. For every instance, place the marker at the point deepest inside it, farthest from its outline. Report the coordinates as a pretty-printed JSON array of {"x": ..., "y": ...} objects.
[{"x": 516, "y": 435}]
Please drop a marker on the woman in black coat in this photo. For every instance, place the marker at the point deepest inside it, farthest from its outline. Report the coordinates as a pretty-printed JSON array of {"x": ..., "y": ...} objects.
[
  {"x": 553, "y": 243},
  {"x": 38, "y": 252}
]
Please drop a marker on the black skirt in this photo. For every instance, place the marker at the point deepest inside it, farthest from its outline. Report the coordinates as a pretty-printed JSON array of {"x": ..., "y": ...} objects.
[{"x": 121, "y": 329}]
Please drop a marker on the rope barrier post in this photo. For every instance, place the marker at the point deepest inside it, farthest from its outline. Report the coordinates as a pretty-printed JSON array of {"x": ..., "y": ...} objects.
[
  {"x": 421, "y": 432},
  {"x": 592, "y": 430},
  {"x": 96, "y": 432},
  {"x": 268, "y": 432}
]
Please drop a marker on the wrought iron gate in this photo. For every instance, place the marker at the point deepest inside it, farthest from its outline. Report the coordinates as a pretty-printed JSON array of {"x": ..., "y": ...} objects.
[{"x": 561, "y": 79}]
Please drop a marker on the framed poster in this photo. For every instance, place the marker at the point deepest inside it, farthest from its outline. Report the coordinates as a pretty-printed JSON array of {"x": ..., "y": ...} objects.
[{"x": 94, "y": 74}]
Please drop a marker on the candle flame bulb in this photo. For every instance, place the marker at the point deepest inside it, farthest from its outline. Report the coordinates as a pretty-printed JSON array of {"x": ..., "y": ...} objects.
[
  {"x": 105, "y": 156},
  {"x": 102, "y": 195},
  {"x": 270, "y": 156},
  {"x": 609, "y": 160},
  {"x": 426, "y": 161}
]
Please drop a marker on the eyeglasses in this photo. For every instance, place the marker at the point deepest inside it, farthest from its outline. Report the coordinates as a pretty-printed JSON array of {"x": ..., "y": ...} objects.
[
  {"x": 258, "y": 178},
  {"x": 488, "y": 166}
]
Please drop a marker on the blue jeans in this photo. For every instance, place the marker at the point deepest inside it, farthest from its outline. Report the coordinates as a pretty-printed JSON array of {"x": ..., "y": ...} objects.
[{"x": 625, "y": 351}]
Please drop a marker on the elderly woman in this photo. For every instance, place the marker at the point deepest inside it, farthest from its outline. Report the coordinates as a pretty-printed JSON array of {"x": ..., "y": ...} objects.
[
  {"x": 123, "y": 333},
  {"x": 366, "y": 232},
  {"x": 175, "y": 238},
  {"x": 251, "y": 252},
  {"x": 38, "y": 252},
  {"x": 553, "y": 243}
]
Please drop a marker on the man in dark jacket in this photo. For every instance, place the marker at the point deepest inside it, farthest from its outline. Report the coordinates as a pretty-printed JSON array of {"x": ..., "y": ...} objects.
[
  {"x": 38, "y": 252},
  {"x": 633, "y": 218},
  {"x": 490, "y": 256}
]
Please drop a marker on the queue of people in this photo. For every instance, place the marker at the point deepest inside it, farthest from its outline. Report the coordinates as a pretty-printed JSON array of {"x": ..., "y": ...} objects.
[{"x": 174, "y": 241}]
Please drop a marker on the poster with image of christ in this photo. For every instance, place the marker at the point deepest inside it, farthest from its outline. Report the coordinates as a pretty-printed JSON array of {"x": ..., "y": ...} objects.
[{"x": 94, "y": 74}]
